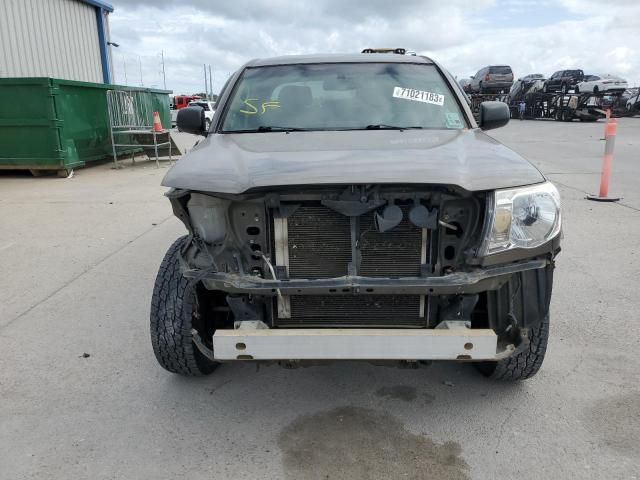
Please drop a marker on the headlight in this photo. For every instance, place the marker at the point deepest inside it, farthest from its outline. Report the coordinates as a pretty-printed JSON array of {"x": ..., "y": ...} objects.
[{"x": 523, "y": 217}]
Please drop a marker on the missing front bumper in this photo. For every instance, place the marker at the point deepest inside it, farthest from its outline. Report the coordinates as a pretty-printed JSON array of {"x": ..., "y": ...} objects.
[
  {"x": 480, "y": 280},
  {"x": 357, "y": 344}
]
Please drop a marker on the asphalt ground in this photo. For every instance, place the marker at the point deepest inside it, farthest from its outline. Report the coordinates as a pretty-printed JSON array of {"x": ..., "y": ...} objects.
[{"x": 81, "y": 394}]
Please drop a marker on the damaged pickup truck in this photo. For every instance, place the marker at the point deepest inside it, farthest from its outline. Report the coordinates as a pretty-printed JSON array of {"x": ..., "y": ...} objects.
[{"x": 349, "y": 207}]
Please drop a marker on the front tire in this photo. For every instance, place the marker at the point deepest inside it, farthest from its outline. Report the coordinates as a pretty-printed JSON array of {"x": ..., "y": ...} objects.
[
  {"x": 174, "y": 310},
  {"x": 524, "y": 364}
]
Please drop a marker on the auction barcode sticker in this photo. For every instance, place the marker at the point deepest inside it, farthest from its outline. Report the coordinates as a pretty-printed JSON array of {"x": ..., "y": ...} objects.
[{"x": 418, "y": 95}]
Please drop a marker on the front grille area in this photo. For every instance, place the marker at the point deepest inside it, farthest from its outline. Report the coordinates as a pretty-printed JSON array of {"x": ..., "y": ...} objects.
[
  {"x": 319, "y": 246},
  {"x": 319, "y": 243},
  {"x": 394, "y": 253},
  {"x": 354, "y": 311}
]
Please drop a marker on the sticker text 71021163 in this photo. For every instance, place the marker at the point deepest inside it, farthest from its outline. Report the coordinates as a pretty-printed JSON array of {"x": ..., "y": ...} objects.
[{"x": 418, "y": 95}]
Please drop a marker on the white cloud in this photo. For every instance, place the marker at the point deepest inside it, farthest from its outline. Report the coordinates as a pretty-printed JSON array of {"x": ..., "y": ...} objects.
[{"x": 463, "y": 36}]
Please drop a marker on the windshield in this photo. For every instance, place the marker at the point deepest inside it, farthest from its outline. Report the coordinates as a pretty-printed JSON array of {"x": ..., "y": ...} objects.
[{"x": 342, "y": 96}]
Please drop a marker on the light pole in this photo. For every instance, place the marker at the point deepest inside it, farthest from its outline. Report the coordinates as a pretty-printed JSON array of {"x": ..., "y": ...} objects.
[
  {"x": 164, "y": 78},
  {"x": 111, "y": 44}
]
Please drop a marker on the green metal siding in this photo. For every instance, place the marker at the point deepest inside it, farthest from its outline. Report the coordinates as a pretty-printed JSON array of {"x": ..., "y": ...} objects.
[{"x": 47, "y": 123}]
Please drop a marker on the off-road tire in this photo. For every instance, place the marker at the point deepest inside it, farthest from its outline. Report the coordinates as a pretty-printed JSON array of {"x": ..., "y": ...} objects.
[
  {"x": 173, "y": 306},
  {"x": 524, "y": 364}
]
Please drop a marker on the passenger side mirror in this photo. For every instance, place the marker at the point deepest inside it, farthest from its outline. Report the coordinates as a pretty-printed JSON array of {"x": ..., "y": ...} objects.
[
  {"x": 493, "y": 115},
  {"x": 191, "y": 120}
]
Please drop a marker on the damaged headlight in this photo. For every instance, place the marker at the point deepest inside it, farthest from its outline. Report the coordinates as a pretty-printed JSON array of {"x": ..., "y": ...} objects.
[
  {"x": 208, "y": 217},
  {"x": 524, "y": 217}
]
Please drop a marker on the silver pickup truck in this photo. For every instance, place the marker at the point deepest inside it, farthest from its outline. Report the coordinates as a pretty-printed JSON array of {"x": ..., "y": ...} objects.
[{"x": 349, "y": 207}]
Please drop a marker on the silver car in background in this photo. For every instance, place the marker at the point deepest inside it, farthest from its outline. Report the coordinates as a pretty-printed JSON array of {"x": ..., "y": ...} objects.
[{"x": 492, "y": 79}]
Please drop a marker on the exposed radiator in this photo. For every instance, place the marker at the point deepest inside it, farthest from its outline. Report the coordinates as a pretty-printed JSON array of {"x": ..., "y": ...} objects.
[
  {"x": 354, "y": 311},
  {"x": 319, "y": 243},
  {"x": 319, "y": 246}
]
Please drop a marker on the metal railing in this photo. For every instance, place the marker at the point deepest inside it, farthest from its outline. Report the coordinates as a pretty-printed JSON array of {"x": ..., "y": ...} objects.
[{"x": 131, "y": 123}]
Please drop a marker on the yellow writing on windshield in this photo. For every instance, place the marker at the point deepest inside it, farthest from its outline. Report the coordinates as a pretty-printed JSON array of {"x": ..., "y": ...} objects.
[
  {"x": 272, "y": 104},
  {"x": 251, "y": 109},
  {"x": 248, "y": 103}
]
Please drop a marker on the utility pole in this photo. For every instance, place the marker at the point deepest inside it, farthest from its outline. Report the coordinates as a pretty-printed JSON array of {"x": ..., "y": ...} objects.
[
  {"x": 210, "y": 84},
  {"x": 164, "y": 78},
  {"x": 205, "y": 79},
  {"x": 140, "y": 65},
  {"x": 124, "y": 69}
]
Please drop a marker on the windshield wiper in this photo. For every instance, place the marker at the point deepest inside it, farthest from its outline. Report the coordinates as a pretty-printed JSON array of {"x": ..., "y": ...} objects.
[
  {"x": 382, "y": 126},
  {"x": 273, "y": 128}
]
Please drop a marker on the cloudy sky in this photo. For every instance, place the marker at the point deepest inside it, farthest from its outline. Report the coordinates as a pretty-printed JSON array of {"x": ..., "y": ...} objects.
[{"x": 532, "y": 36}]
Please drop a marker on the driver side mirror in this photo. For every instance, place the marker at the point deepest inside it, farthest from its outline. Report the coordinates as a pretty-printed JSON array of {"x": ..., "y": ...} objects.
[
  {"x": 192, "y": 120},
  {"x": 493, "y": 115}
]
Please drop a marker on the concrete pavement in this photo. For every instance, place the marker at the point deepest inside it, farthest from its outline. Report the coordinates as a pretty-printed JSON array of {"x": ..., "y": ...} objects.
[{"x": 79, "y": 257}]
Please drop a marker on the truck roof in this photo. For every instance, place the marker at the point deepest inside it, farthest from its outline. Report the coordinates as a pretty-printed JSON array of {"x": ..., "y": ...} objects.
[{"x": 339, "y": 58}]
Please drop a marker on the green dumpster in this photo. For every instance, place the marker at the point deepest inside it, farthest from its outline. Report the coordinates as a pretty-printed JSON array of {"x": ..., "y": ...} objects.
[{"x": 53, "y": 124}]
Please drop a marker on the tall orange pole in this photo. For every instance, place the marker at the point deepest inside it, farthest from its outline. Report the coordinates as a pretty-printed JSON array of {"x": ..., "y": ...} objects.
[{"x": 607, "y": 163}]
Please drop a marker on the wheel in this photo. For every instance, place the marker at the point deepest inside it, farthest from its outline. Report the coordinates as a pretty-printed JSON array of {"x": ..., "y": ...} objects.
[
  {"x": 565, "y": 88},
  {"x": 524, "y": 364},
  {"x": 174, "y": 313},
  {"x": 207, "y": 124},
  {"x": 480, "y": 88},
  {"x": 577, "y": 89},
  {"x": 545, "y": 88},
  {"x": 596, "y": 89}
]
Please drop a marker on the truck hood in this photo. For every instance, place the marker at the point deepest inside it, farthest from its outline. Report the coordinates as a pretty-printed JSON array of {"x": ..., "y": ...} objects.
[{"x": 235, "y": 163}]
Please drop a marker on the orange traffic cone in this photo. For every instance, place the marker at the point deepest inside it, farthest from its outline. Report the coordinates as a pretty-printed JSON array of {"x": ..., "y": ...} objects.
[{"x": 157, "y": 126}]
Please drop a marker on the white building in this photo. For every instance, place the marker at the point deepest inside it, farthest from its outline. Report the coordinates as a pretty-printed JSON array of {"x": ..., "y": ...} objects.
[{"x": 65, "y": 39}]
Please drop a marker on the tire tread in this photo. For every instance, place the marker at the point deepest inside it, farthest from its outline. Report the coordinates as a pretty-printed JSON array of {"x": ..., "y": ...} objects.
[
  {"x": 171, "y": 317},
  {"x": 526, "y": 363}
]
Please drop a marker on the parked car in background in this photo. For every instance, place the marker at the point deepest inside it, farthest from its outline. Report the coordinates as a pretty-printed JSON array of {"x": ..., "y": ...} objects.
[
  {"x": 563, "y": 80},
  {"x": 523, "y": 85},
  {"x": 464, "y": 84},
  {"x": 178, "y": 102},
  {"x": 209, "y": 109},
  {"x": 628, "y": 94},
  {"x": 532, "y": 77},
  {"x": 492, "y": 79},
  {"x": 601, "y": 83},
  {"x": 633, "y": 103}
]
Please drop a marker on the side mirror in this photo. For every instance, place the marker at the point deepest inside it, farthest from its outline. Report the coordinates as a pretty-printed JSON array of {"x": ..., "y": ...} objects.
[
  {"x": 493, "y": 115},
  {"x": 191, "y": 120}
]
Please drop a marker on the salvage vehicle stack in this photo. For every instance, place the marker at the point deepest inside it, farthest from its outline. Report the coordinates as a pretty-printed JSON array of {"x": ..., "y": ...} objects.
[{"x": 566, "y": 95}]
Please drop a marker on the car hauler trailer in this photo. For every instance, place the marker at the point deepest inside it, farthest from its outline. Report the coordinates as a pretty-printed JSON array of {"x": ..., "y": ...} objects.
[
  {"x": 587, "y": 107},
  {"x": 477, "y": 98}
]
